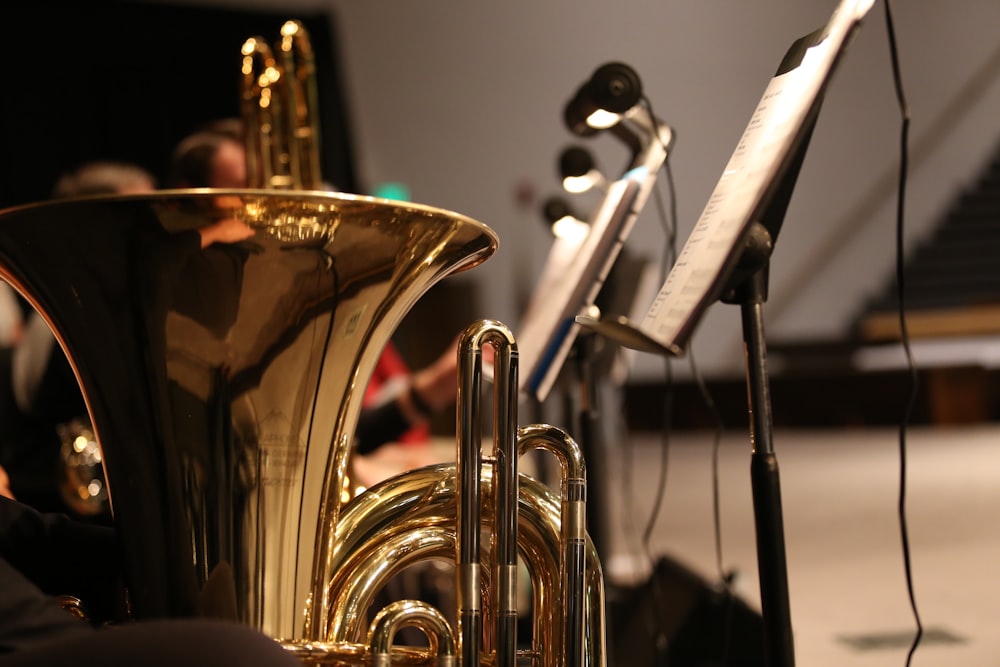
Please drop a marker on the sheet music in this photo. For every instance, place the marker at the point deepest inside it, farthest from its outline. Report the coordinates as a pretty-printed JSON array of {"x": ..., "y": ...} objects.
[
  {"x": 766, "y": 143},
  {"x": 548, "y": 327}
]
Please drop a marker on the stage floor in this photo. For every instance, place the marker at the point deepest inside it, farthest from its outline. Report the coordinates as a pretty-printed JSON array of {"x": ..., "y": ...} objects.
[
  {"x": 840, "y": 494},
  {"x": 840, "y": 497}
]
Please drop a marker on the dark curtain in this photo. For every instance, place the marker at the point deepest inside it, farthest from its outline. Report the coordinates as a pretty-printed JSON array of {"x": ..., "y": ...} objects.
[{"x": 105, "y": 80}]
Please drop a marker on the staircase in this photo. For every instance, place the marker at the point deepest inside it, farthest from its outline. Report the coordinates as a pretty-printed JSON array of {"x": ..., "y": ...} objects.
[{"x": 952, "y": 279}]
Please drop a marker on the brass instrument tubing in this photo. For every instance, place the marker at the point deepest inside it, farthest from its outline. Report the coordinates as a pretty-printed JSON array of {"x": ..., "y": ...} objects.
[
  {"x": 468, "y": 465},
  {"x": 299, "y": 66},
  {"x": 596, "y": 651},
  {"x": 376, "y": 532},
  {"x": 261, "y": 112},
  {"x": 574, "y": 532},
  {"x": 416, "y": 614},
  {"x": 373, "y": 564},
  {"x": 348, "y": 653},
  {"x": 279, "y": 102},
  {"x": 505, "y": 492}
]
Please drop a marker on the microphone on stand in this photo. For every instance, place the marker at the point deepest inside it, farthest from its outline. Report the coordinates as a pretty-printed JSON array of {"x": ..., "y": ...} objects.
[
  {"x": 600, "y": 102},
  {"x": 564, "y": 223},
  {"x": 579, "y": 172}
]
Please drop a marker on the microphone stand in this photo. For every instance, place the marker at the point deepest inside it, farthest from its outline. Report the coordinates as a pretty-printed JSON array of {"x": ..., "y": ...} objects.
[
  {"x": 750, "y": 294},
  {"x": 746, "y": 284},
  {"x": 590, "y": 437},
  {"x": 747, "y": 287}
]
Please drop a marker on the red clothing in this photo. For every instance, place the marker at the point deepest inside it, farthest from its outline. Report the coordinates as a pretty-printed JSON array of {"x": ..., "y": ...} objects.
[{"x": 391, "y": 365}]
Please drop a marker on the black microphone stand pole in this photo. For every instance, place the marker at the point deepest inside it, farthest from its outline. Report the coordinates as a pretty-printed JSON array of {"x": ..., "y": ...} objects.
[
  {"x": 591, "y": 439},
  {"x": 751, "y": 294},
  {"x": 747, "y": 286}
]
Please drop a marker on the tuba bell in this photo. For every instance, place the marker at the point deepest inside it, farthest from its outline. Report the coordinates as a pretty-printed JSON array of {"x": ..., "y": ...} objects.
[{"x": 224, "y": 384}]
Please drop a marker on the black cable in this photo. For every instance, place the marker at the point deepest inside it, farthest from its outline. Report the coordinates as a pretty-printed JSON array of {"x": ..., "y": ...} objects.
[
  {"x": 725, "y": 580},
  {"x": 661, "y": 641},
  {"x": 670, "y": 225},
  {"x": 720, "y": 428},
  {"x": 661, "y": 484},
  {"x": 903, "y": 330},
  {"x": 668, "y": 221},
  {"x": 719, "y": 431}
]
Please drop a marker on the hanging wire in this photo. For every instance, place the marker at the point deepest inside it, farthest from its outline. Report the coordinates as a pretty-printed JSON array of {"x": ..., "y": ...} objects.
[
  {"x": 668, "y": 221},
  {"x": 725, "y": 580},
  {"x": 904, "y": 331}
]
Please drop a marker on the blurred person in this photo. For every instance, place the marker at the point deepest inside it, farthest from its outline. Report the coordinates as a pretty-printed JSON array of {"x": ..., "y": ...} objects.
[
  {"x": 104, "y": 178},
  {"x": 212, "y": 157},
  {"x": 398, "y": 404}
]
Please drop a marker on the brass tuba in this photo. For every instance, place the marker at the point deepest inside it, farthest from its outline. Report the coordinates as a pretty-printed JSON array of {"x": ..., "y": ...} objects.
[{"x": 224, "y": 385}]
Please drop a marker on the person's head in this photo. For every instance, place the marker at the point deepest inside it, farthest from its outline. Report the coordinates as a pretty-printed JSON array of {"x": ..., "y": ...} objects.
[
  {"x": 213, "y": 157},
  {"x": 100, "y": 178}
]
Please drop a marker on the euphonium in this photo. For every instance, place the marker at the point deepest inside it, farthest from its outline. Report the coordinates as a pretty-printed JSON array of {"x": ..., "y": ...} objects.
[{"x": 224, "y": 384}]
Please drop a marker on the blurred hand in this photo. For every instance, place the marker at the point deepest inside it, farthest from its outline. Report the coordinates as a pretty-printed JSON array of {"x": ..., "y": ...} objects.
[
  {"x": 437, "y": 384},
  {"x": 5, "y": 484},
  {"x": 227, "y": 230}
]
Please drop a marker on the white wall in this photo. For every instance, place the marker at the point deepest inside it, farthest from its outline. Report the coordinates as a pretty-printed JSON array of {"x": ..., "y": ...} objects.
[{"x": 462, "y": 101}]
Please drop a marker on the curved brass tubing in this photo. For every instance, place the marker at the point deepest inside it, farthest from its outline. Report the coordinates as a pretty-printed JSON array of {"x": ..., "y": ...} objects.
[{"x": 411, "y": 517}]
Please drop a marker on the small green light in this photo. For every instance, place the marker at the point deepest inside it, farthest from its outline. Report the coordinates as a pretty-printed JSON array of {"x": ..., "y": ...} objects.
[{"x": 396, "y": 191}]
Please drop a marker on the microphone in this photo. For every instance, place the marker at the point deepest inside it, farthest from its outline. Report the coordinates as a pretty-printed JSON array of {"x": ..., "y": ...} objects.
[{"x": 612, "y": 89}]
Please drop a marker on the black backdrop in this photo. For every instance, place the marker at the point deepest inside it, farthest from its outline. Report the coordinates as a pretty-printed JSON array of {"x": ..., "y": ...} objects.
[{"x": 89, "y": 80}]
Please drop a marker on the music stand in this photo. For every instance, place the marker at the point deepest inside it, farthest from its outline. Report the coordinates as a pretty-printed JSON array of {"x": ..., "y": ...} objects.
[
  {"x": 574, "y": 273},
  {"x": 726, "y": 258},
  {"x": 548, "y": 326}
]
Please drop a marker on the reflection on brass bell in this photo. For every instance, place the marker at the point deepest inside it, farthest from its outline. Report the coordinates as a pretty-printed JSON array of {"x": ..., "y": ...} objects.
[{"x": 82, "y": 484}]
